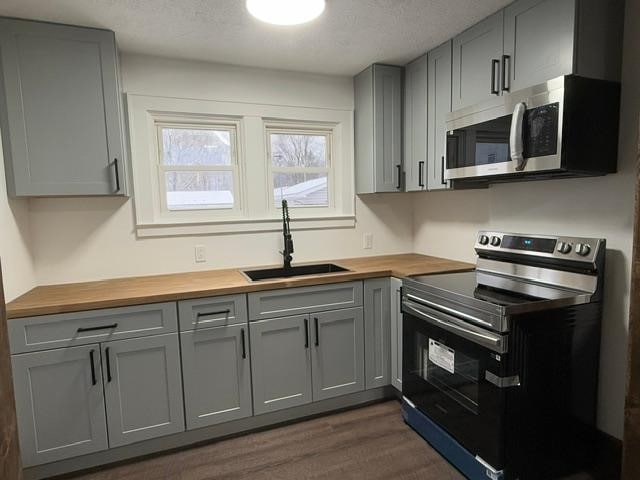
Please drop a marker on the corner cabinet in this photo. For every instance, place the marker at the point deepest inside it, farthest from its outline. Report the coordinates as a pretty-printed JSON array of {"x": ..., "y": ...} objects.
[
  {"x": 438, "y": 106},
  {"x": 415, "y": 125},
  {"x": 60, "y": 114},
  {"x": 377, "y": 330},
  {"x": 396, "y": 333},
  {"x": 378, "y": 129}
]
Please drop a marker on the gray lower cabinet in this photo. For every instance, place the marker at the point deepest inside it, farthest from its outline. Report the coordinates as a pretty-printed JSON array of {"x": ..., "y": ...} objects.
[
  {"x": 337, "y": 357},
  {"x": 60, "y": 110},
  {"x": 280, "y": 363},
  {"x": 415, "y": 125},
  {"x": 378, "y": 129},
  {"x": 377, "y": 331},
  {"x": 143, "y": 388},
  {"x": 396, "y": 333},
  {"x": 59, "y": 404},
  {"x": 216, "y": 375},
  {"x": 438, "y": 106},
  {"x": 477, "y": 53}
]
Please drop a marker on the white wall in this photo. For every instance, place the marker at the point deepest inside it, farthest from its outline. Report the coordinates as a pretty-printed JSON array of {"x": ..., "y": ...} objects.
[
  {"x": 17, "y": 266},
  {"x": 446, "y": 224},
  {"x": 87, "y": 239}
]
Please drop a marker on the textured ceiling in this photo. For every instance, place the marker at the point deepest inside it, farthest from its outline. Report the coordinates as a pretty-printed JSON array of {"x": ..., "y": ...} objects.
[{"x": 350, "y": 34}]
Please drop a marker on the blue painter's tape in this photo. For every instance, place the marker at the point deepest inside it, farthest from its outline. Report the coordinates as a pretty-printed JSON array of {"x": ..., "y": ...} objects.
[{"x": 446, "y": 445}]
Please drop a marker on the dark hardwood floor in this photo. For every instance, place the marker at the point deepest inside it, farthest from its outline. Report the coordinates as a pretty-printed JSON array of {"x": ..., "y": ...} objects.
[{"x": 366, "y": 443}]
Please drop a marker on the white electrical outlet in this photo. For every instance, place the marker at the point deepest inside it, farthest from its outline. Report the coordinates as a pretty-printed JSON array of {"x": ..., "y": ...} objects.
[
  {"x": 201, "y": 254},
  {"x": 367, "y": 241}
]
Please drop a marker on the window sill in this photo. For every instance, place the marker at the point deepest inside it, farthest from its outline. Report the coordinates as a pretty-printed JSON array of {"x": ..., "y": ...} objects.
[{"x": 243, "y": 226}]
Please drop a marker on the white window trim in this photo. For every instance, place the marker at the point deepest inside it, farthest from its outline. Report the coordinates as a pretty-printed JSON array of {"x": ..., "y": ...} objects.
[{"x": 256, "y": 212}]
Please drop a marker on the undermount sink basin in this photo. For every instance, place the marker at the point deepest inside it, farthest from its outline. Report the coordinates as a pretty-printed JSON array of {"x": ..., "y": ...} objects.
[{"x": 297, "y": 271}]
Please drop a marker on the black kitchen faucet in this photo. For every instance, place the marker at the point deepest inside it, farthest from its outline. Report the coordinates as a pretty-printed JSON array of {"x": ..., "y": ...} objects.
[{"x": 286, "y": 232}]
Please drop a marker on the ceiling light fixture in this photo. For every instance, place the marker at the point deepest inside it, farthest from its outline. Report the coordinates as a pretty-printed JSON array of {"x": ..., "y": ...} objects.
[{"x": 285, "y": 12}]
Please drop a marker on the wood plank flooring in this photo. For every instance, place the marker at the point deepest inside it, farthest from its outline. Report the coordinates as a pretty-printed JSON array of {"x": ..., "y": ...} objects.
[
  {"x": 367, "y": 443},
  {"x": 371, "y": 443}
]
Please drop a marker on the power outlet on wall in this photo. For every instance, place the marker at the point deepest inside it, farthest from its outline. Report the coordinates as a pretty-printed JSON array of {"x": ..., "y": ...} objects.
[
  {"x": 367, "y": 241},
  {"x": 201, "y": 254}
]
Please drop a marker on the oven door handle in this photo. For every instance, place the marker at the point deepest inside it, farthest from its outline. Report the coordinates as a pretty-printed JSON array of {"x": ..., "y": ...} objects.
[
  {"x": 492, "y": 341},
  {"x": 448, "y": 310}
]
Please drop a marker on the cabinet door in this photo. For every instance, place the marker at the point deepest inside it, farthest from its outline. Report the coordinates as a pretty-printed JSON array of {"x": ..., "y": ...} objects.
[
  {"x": 377, "y": 332},
  {"x": 61, "y": 118},
  {"x": 216, "y": 375},
  {"x": 280, "y": 363},
  {"x": 415, "y": 125},
  {"x": 59, "y": 404},
  {"x": 538, "y": 41},
  {"x": 387, "y": 127},
  {"x": 143, "y": 388},
  {"x": 396, "y": 334},
  {"x": 338, "y": 353},
  {"x": 439, "y": 105},
  {"x": 477, "y": 53}
]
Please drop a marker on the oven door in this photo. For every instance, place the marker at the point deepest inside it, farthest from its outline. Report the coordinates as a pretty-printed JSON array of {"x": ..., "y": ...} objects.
[
  {"x": 456, "y": 374},
  {"x": 527, "y": 125}
]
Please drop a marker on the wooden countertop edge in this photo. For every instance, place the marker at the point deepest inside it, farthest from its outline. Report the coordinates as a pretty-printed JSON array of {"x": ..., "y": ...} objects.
[{"x": 41, "y": 307}]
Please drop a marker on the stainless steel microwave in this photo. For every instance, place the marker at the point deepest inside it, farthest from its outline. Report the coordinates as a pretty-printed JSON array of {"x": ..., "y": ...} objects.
[{"x": 567, "y": 126}]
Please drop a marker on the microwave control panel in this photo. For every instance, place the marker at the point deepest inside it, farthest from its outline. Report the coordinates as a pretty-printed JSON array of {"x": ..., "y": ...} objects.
[{"x": 541, "y": 131}]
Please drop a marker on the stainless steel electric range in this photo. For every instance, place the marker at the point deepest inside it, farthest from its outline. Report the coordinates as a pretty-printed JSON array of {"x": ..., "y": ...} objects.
[{"x": 500, "y": 365}]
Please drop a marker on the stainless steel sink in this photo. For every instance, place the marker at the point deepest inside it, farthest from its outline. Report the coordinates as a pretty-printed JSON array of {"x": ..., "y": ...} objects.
[{"x": 297, "y": 271}]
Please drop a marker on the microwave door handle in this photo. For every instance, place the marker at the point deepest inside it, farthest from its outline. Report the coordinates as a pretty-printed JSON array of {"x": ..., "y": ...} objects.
[{"x": 515, "y": 138}]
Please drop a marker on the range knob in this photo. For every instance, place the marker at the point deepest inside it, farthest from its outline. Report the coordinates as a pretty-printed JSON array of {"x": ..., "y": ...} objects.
[
  {"x": 564, "y": 247},
  {"x": 483, "y": 240},
  {"x": 495, "y": 241},
  {"x": 583, "y": 249}
]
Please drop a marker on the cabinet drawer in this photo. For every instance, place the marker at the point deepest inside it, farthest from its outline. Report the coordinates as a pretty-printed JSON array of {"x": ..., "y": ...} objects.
[
  {"x": 212, "y": 312},
  {"x": 69, "y": 329},
  {"x": 292, "y": 301}
]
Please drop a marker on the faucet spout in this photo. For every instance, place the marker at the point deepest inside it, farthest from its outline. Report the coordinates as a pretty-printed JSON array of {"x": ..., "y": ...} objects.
[{"x": 286, "y": 233}]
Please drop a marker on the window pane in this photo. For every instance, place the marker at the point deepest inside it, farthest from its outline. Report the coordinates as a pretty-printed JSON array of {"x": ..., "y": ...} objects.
[
  {"x": 196, "y": 190},
  {"x": 299, "y": 150},
  {"x": 301, "y": 189},
  {"x": 186, "y": 146}
]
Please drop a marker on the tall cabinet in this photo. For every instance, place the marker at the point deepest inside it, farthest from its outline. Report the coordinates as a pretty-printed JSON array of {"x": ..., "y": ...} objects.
[
  {"x": 60, "y": 114},
  {"x": 438, "y": 106},
  {"x": 378, "y": 129},
  {"x": 415, "y": 124}
]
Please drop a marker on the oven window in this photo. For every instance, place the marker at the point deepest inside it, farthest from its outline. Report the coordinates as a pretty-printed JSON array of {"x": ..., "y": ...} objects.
[{"x": 451, "y": 372}]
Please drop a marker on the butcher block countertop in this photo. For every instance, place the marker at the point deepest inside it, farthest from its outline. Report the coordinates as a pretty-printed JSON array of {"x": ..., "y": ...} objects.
[{"x": 120, "y": 292}]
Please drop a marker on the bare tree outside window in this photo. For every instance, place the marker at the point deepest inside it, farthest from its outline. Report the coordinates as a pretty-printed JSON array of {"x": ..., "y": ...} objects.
[
  {"x": 198, "y": 167},
  {"x": 300, "y": 169}
]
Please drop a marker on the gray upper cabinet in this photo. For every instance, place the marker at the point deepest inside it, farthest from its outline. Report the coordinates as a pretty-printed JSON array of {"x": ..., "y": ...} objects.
[
  {"x": 59, "y": 404},
  {"x": 143, "y": 388},
  {"x": 338, "y": 353},
  {"x": 60, "y": 112},
  {"x": 396, "y": 334},
  {"x": 377, "y": 331},
  {"x": 280, "y": 363},
  {"x": 538, "y": 41},
  {"x": 438, "y": 106},
  {"x": 216, "y": 375},
  {"x": 415, "y": 124},
  {"x": 477, "y": 53},
  {"x": 378, "y": 129}
]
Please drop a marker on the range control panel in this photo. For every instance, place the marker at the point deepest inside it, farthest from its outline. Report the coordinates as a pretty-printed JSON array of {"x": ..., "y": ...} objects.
[{"x": 569, "y": 248}]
